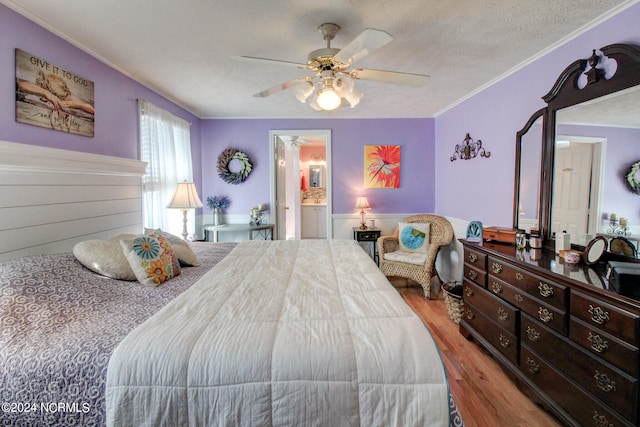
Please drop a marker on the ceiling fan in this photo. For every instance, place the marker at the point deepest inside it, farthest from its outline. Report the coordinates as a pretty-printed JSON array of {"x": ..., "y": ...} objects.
[
  {"x": 333, "y": 81},
  {"x": 291, "y": 142}
]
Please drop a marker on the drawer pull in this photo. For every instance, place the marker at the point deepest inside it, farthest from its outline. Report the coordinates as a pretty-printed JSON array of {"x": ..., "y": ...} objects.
[
  {"x": 473, "y": 275},
  {"x": 532, "y": 365},
  {"x": 604, "y": 382},
  {"x": 545, "y": 290},
  {"x": 600, "y": 420},
  {"x": 504, "y": 341},
  {"x": 469, "y": 314},
  {"x": 496, "y": 288},
  {"x": 519, "y": 276},
  {"x": 503, "y": 314},
  {"x": 496, "y": 268},
  {"x": 597, "y": 343},
  {"x": 519, "y": 298},
  {"x": 533, "y": 334},
  {"x": 468, "y": 291},
  {"x": 472, "y": 257},
  {"x": 545, "y": 315},
  {"x": 598, "y": 315}
]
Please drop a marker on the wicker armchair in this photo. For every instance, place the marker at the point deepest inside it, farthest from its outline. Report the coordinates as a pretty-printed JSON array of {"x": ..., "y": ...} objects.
[{"x": 440, "y": 234}]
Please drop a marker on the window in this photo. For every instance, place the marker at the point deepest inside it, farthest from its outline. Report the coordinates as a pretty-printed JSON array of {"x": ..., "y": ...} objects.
[{"x": 165, "y": 144}]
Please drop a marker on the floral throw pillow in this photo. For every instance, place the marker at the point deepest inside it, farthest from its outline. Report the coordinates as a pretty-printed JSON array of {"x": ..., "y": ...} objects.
[
  {"x": 151, "y": 258},
  {"x": 413, "y": 236}
]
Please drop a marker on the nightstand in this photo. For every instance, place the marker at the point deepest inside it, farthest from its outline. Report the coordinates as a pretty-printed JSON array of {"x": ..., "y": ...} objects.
[{"x": 369, "y": 235}]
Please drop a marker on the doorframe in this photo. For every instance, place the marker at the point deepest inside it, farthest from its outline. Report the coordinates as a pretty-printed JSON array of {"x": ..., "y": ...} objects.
[{"x": 274, "y": 167}]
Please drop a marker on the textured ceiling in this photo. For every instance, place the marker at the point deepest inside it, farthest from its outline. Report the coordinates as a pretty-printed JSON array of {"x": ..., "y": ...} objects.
[{"x": 182, "y": 49}]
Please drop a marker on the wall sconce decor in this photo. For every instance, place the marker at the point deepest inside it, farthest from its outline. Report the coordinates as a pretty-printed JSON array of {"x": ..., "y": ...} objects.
[{"x": 469, "y": 149}]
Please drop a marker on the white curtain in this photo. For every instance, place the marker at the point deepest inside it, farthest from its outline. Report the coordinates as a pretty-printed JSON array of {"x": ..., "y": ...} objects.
[{"x": 165, "y": 144}]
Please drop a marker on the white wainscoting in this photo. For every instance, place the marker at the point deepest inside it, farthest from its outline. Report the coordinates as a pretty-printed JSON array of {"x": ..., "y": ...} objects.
[{"x": 50, "y": 199}]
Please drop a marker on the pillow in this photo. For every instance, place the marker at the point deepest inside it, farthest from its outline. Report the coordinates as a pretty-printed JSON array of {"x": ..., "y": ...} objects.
[
  {"x": 181, "y": 248},
  {"x": 415, "y": 258},
  {"x": 151, "y": 258},
  {"x": 105, "y": 258},
  {"x": 413, "y": 236}
]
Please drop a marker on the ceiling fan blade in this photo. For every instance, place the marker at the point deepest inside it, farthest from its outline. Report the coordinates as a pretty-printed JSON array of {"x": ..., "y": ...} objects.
[
  {"x": 269, "y": 61},
  {"x": 280, "y": 87},
  {"x": 407, "y": 79},
  {"x": 368, "y": 41}
]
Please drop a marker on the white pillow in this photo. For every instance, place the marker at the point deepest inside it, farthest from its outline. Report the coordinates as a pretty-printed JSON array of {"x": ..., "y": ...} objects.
[
  {"x": 413, "y": 236},
  {"x": 104, "y": 257},
  {"x": 181, "y": 248}
]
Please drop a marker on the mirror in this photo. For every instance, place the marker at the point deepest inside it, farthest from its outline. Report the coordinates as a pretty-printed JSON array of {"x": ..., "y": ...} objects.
[
  {"x": 589, "y": 143},
  {"x": 526, "y": 215},
  {"x": 316, "y": 176}
]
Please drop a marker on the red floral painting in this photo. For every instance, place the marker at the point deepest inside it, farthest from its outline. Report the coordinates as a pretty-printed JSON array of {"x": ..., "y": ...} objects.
[{"x": 382, "y": 166}]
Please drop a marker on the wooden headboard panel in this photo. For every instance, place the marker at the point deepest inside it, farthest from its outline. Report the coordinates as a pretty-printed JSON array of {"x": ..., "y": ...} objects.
[{"x": 50, "y": 199}]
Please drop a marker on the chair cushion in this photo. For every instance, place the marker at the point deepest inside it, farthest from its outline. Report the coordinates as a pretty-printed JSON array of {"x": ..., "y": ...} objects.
[
  {"x": 415, "y": 258},
  {"x": 413, "y": 236}
]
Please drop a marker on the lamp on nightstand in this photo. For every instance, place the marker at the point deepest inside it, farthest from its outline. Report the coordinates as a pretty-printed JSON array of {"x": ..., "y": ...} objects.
[
  {"x": 185, "y": 198},
  {"x": 362, "y": 204}
]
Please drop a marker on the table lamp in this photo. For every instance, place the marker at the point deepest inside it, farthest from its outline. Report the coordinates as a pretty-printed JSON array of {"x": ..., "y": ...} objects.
[
  {"x": 185, "y": 198},
  {"x": 362, "y": 204}
]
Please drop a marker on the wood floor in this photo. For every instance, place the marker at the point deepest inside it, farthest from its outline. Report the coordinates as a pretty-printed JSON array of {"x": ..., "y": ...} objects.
[{"x": 484, "y": 394}]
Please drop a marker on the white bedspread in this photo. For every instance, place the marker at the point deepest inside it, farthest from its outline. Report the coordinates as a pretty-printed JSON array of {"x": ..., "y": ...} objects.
[{"x": 281, "y": 333}]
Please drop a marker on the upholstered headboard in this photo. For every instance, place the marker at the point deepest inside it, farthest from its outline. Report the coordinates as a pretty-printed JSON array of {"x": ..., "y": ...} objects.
[{"x": 50, "y": 199}]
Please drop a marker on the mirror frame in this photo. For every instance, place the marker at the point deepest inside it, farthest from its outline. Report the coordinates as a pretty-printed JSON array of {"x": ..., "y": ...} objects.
[
  {"x": 565, "y": 93},
  {"x": 519, "y": 135}
]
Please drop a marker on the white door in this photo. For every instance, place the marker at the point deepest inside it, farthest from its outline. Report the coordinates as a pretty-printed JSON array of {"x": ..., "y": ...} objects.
[
  {"x": 281, "y": 193},
  {"x": 571, "y": 189}
]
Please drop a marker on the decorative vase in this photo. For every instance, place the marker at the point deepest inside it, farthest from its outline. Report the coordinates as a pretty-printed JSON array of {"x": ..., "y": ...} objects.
[{"x": 217, "y": 219}]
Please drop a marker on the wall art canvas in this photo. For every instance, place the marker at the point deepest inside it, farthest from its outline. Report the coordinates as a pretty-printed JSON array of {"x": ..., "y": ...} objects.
[
  {"x": 53, "y": 97},
  {"x": 382, "y": 166}
]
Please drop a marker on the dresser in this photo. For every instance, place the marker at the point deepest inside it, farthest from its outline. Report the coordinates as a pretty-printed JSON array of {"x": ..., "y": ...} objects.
[{"x": 570, "y": 343}]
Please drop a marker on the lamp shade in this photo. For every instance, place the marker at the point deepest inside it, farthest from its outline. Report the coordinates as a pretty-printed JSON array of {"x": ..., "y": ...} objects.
[
  {"x": 362, "y": 203},
  {"x": 185, "y": 197}
]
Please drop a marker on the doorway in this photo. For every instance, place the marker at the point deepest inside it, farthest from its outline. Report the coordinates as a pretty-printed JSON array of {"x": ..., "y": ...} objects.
[
  {"x": 577, "y": 191},
  {"x": 291, "y": 169}
]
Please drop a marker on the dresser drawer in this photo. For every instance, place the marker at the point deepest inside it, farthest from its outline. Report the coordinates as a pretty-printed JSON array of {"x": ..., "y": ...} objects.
[
  {"x": 606, "y": 317},
  {"x": 610, "y": 348},
  {"x": 475, "y": 275},
  {"x": 505, "y": 342},
  {"x": 547, "y": 314},
  {"x": 497, "y": 310},
  {"x": 551, "y": 293},
  {"x": 599, "y": 378},
  {"x": 475, "y": 258},
  {"x": 587, "y": 410}
]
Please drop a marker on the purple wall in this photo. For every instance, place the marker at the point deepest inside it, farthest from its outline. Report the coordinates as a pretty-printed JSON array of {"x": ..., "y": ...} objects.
[
  {"x": 116, "y": 111},
  {"x": 482, "y": 189},
  {"x": 348, "y": 138}
]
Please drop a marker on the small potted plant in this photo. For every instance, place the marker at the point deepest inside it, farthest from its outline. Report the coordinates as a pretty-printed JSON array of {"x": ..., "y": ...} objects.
[{"x": 216, "y": 204}]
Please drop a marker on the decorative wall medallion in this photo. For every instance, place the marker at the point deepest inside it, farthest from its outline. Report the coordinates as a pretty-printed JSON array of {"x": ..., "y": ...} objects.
[{"x": 225, "y": 158}]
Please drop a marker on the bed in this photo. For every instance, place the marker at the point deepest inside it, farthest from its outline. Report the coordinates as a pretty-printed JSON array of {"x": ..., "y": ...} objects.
[
  {"x": 67, "y": 333},
  {"x": 81, "y": 344}
]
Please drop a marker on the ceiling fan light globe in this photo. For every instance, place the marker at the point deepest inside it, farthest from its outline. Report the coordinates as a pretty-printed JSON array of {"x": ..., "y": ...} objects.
[
  {"x": 327, "y": 99},
  {"x": 314, "y": 104},
  {"x": 302, "y": 91},
  {"x": 354, "y": 97},
  {"x": 343, "y": 85}
]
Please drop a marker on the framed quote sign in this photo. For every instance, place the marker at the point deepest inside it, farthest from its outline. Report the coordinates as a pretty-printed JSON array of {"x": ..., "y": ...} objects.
[{"x": 52, "y": 97}]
